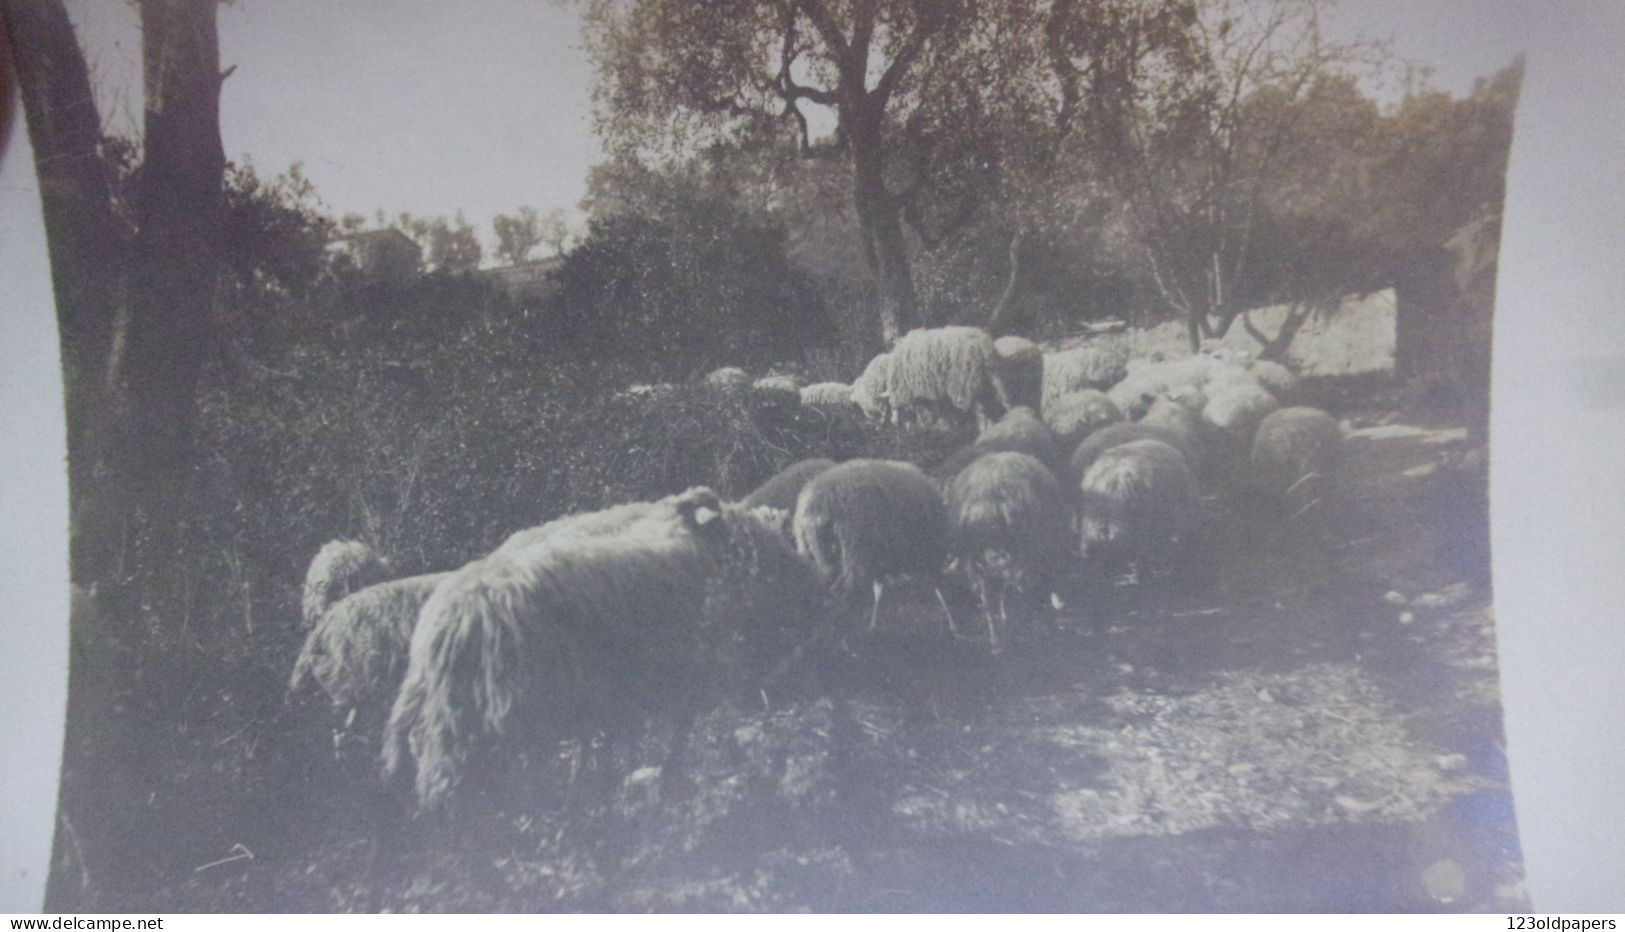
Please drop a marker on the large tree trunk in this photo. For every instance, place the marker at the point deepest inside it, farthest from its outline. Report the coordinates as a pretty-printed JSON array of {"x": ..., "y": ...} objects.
[
  {"x": 87, "y": 252},
  {"x": 133, "y": 312},
  {"x": 878, "y": 218},
  {"x": 174, "y": 266}
]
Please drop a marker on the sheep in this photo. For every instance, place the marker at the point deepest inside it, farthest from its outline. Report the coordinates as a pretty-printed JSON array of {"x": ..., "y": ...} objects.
[
  {"x": 944, "y": 370},
  {"x": 1008, "y": 524},
  {"x": 1272, "y": 375},
  {"x": 1190, "y": 397},
  {"x": 1020, "y": 371},
  {"x": 339, "y": 568},
  {"x": 1068, "y": 371},
  {"x": 1184, "y": 425},
  {"x": 871, "y": 391},
  {"x": 1134, "y": 394},
  {"x": 1237, "y": 407},
  {"x": 1075, "y": 416},
  {"x": 782, "y": 490},
  {"x": 777, "y": 392},
  {"x": 1296, "y": 456},
  {"x": 607, "y": 522},
  {"x": 1115, "y": 435},
  {"x": 864, "y": 521},
  {"x": 728, "y": 377},
  {"x": 356, "y": 653},
  {"x": 1025, "y": 431},
  {"x": 531, "y": 646},
  {"x": 827, "y": 395},
  {"x": 1019, "y": 431},
  {"x": 1138, "y": 502}
]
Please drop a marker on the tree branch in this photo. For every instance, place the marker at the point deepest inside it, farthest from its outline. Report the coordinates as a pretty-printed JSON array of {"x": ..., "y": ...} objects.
[
  {"x": 826, "y": 26},
  {"x": 924, "y": 27}
]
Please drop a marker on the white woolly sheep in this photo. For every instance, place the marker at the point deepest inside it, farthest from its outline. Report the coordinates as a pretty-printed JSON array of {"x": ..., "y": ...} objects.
[
  {"x": 607, "y": 522},
  {"x": 944, "y": 370},
  {"x": 776, "y": 391},
  {"x": 1138, "y": 504},
  {"x": 1296, "y": 455},
  {"x": 1237, "y": 407},
  {"x": 525, "y": 648},
  {"x": 782, "y": 490},
  {"x": 339, "y": 568},
  {"x": 1272, "y": 375},
  {"x": 1020, "y": 371},
  {"x": 356, "y": 653},
  {"x": 1068, "y": 371},
  {"x": 827, "y": 395},
  {"x": 1135, "y": 393},
  {"x": 1190, "y": 397},
  {"x": 864, "y": 521},
  {"x": 1008, "y": 524},
  {"x": 871, "y": 391},
  {"x": 1073, "y": 417},
  {"x": 728, "y": 377}
]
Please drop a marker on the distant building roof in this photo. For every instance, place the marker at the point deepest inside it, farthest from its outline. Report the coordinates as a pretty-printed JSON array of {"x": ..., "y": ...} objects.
[
  {"x": 524, "y": 279},
  {"x": 367, "y": 237}
]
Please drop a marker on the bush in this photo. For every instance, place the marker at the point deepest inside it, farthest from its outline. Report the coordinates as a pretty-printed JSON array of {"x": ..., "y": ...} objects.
[{"x": 680, "y": 296}]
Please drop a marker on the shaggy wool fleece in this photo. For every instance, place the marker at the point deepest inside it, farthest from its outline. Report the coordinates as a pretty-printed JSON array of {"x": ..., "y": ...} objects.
[
  {"x": 338, "y": 569},
  {"x": 864, "y": 520},
  {"x": 1136, "y": 501},
  {"x": 576, "y": 631}
]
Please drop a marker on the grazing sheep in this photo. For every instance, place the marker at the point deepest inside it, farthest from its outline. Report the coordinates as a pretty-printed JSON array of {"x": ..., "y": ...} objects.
[
  {"x": 1296, "y": 455},
  {"x": 1184, "y": 425},
  {"x": 338, "y": 569},
  {"x": 1069, "y": 371},
  {"x": 1022, "y": 429},
  {"x": 607, "y": 522},
  {"x": 827, "y": 395},
  {"x": 1020, "y": 371},
  {"x": 1115, "y": 435},
  {"x": 1237, "y": 407},
  {"x": 728, "y": 377},
  {"x": 1075, "y": 416},
  {"x": 1138, "y": 503},
  {"x": 525, "y": 648},
  {"x": 871, "y": 391},
  {"x": 944, "y": 371},
  {"x": 864, "y": 521},
  {"x": 1190, "y": 397},
  {"x": 1134, "y": 394},
  {"x": 356, "y": 653},
  {"x": 1272, "y": 375},
  {"x": 776, "y": 391},
  {"x": 1008, "y": 524},
  {"x": 782, "y": 490}
]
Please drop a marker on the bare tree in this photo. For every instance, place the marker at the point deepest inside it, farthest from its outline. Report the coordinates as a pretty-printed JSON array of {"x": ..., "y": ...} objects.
[{"x": 1194, "y": 156}]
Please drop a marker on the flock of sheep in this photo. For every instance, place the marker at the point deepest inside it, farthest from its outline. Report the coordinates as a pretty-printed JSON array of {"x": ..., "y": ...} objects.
[{"x": 1085, "y": 459}]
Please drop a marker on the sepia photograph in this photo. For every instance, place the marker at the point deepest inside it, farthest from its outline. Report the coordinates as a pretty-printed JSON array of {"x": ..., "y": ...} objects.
[{"x": 774, "y": 455}]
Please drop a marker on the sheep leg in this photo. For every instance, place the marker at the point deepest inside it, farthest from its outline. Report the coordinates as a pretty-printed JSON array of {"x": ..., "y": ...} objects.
[
  {"x": 953, "y": 629},
  {"x": 1004, "y": 620}
]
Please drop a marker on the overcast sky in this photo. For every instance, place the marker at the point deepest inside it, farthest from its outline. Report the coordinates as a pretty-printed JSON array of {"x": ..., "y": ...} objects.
[{"x": 430, "y": 107}]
